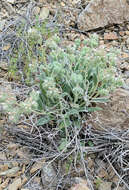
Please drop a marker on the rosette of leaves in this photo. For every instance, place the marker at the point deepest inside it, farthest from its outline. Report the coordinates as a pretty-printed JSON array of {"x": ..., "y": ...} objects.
[{"x": 74, "y": 78}]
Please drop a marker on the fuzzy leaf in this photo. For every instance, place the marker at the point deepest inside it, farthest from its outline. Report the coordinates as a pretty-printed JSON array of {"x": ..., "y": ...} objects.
[
  {"x": 100, "y": 100},
  {"x": 63, "y": 144},
  {"x": 92, "y": 109},
  {"x": 43, "y": 120}
]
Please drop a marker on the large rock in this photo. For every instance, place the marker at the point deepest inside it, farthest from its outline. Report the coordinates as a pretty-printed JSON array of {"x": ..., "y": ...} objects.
[
  {"x": 114, "y": 114},
  {"x": 100, "y": 13}
]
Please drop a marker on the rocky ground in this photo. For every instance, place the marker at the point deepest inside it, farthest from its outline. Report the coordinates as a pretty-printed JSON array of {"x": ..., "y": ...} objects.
[{"x": 20, "y": 169}]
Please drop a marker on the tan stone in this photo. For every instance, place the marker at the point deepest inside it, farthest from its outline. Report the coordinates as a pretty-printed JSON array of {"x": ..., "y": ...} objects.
[
  {"x": 110, "y": 36},
  {"x": 15, "y": 185},
  {"x": 44, "y": 13},
  {"x": 12, "y": 146},
  {"x": 6, "y": 47},
  {"x": 128, "y": 27},
  {"x": 62, "y": 4},
  {"x": 101, "y": 42},
  {"x": 127, "y": 33},
  {"x": 127, "y": 41},
  {"x": 100, "y": 13},
  {"x": 114, "y": 43},
  {"x": 122, "y": 33},
  {"x": 3, "y": 167},
  {"x": 125, "y": 55}
]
